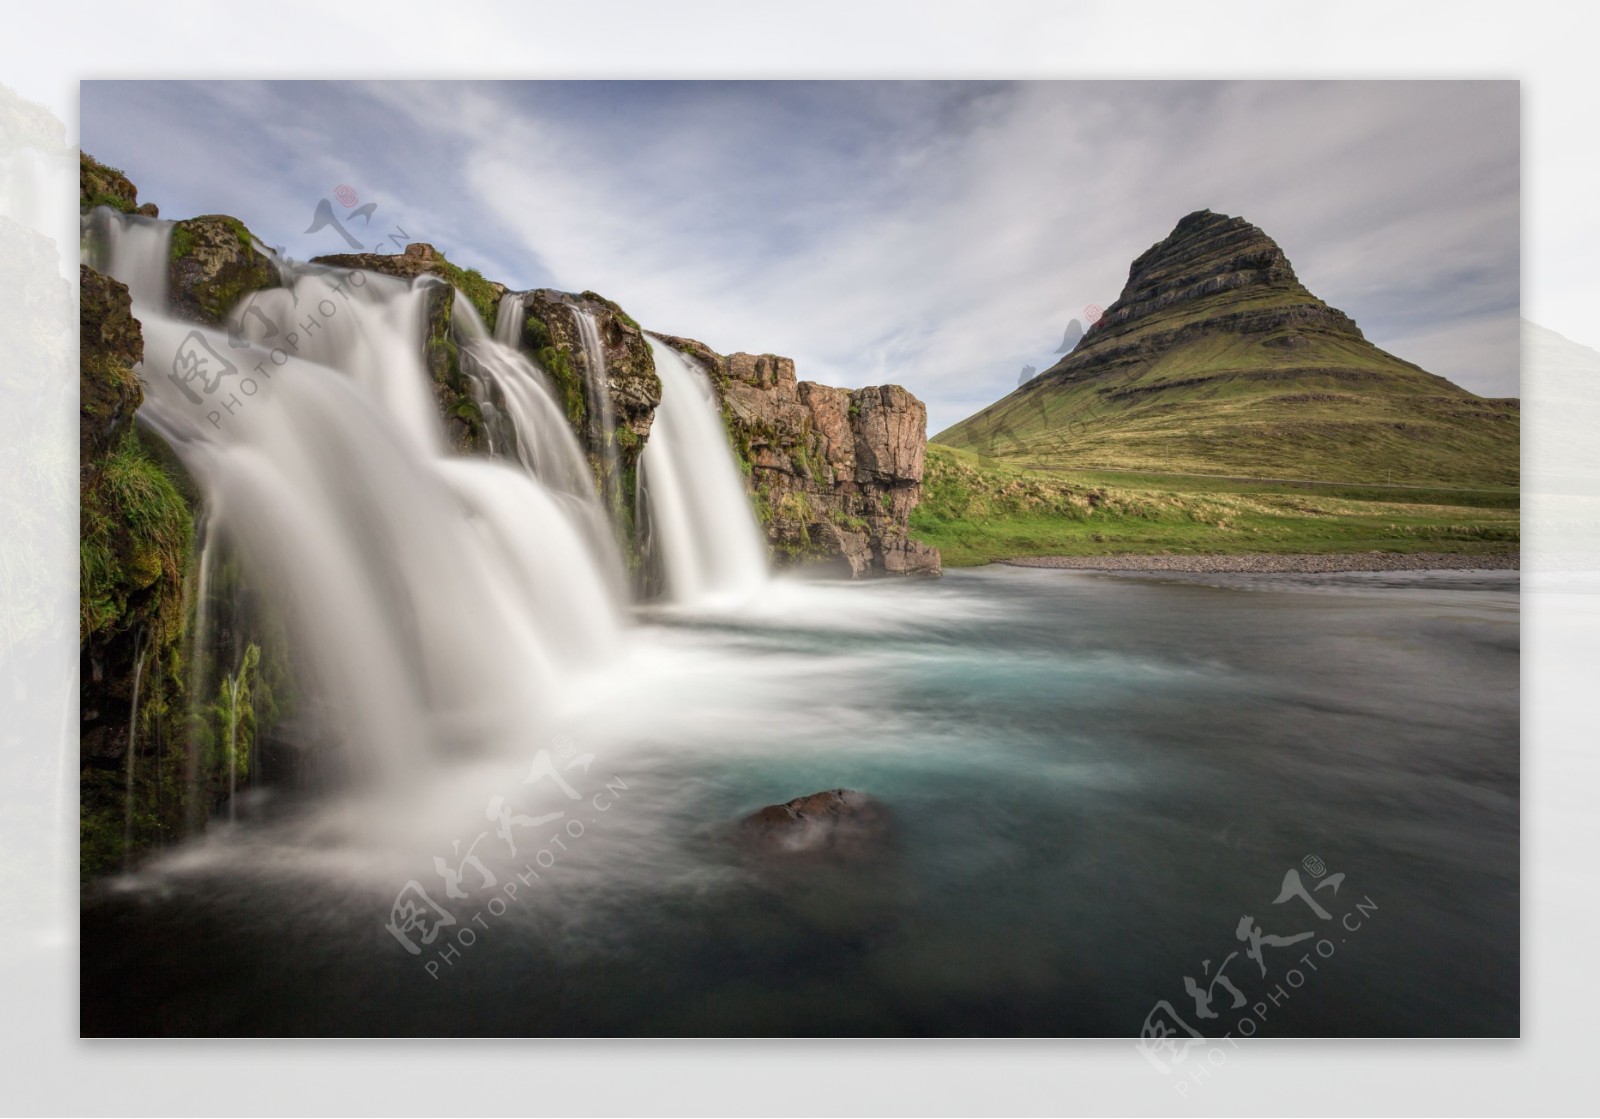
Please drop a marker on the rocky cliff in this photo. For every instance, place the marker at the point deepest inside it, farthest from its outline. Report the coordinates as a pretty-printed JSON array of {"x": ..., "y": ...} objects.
[
  {"x": 135, "y": 547},
  {"x": 551, "y": 333},
  {"x": 834, "y": 473},
  {"x": 1215, "y": 359}
]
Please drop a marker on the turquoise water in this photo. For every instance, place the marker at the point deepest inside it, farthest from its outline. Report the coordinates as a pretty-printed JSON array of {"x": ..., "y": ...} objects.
[{"x": 1094, "y": 778}]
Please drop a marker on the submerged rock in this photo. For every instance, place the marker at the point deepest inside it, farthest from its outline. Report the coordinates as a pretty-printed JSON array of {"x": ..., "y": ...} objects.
[{"x": 837, "y": 822}]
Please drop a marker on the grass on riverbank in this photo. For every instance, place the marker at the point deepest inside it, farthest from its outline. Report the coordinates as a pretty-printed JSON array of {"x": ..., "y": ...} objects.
[{"x": 977, "y": 510}]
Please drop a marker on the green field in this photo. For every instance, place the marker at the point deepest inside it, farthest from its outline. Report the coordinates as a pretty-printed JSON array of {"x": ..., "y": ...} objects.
[
  {"x": 976, "y": 510},
  {"x": 1186, "y": 390}
]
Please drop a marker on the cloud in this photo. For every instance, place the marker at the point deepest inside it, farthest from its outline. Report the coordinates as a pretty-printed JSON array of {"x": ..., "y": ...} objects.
[{"x": 937, "y": 235}]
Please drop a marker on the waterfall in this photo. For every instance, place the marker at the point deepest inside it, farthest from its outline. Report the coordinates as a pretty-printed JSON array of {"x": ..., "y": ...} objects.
[
  {"x": 234, "y": 683},
  {"x": 700, "y": 515},
  {"x": 509, "y": 319},
  {"x": 131, "y": 248},
  {"x": 517, "y": 401},
  {"x": 199, "y": 657},
  {"x": 434, "y": 604},
  {"x": 602, "y": 417},
  {"x": 141, "y": 648},
  {"x": 536, "y": 431}
]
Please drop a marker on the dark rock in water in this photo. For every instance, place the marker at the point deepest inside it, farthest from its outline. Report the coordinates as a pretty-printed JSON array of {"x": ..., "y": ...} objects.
[
  {"x": 1070, "y": 340},
  {"x": 1028, "y": 373},
  {"x": 838, "y": 822}
]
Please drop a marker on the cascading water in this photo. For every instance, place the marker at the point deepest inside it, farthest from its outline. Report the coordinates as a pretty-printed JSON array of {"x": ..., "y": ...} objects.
[
  {"x": 700, "y": 516},
  {"x": 141, "y": 650},
  {"x": 134, "y": 250},
  {"x": 234, "y": 683},
  {"x": 508, "y": 319},
  {"x": 518, "y": 403},
  {"x": 602, "y": 416},
  {"x": 435, "y": 603}
]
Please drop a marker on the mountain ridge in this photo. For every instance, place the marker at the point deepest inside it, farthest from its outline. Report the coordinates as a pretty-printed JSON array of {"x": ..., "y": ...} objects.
[{"x": 1216, "y": 358}]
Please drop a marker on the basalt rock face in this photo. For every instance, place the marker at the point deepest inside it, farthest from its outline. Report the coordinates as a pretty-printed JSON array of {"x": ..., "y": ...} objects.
[
  {"x": 135, "y": 551},
  {"x": 110, "y": 344},
  {"x": 1215, "y": 359},
  {"x": 551, "y": 332},
  {"x": 834, "y": 473},
  {"x": 417, "y": 260},
  {"x": 215, "y": 263}
]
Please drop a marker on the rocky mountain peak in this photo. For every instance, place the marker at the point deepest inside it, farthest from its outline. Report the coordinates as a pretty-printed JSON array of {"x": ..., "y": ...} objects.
[
  {"x": 1214, "y": 274},
  {"x": 1205, "y": 254}
]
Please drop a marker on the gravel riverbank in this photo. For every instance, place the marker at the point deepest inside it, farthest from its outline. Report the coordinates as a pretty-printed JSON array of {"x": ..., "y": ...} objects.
[{"x": 1278, "y": 564}]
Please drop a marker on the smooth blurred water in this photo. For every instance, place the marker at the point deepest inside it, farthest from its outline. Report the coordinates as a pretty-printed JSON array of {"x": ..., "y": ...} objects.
[{"x": 1095, "y": 777}]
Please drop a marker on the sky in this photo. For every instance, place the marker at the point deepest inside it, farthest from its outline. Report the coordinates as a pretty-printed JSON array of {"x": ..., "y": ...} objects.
[{"x": 934, "y": 235}]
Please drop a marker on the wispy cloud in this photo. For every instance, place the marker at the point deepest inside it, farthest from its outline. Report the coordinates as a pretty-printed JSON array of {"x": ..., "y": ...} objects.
[{"x": 935, "y": 235}]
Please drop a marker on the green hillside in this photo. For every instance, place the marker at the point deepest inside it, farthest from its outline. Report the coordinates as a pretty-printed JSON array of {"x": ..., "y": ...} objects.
[{"x": 1215, "y": 360}]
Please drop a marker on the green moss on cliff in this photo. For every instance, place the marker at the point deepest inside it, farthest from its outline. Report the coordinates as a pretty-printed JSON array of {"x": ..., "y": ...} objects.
[
  {"x": 100, "y": 185},
  {"x": 557, "y": 364},
  {"x": 616, "y": 310},
  {"x": 471, "y": 283},
  {"x": 135, "y": 533},
  {"x": 215, "y": 262},
  {"x": 134, "y": 552}
]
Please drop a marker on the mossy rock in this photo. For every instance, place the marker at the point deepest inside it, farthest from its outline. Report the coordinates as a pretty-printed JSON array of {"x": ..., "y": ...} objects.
[
  {"x": 215, "y": 263},
  {"x": 99, "y": 185},
  {"x": 111, "y": 345},
  {"x": 462, "y": 419},
  {"x": 482, "y": 294}
]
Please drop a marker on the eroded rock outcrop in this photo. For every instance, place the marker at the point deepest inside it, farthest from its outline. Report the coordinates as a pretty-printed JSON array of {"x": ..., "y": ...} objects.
[
  {"x": 834, "y": 472},
  {"x": 216, "y": 262},
  {"x": 152, "y": 764}
]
